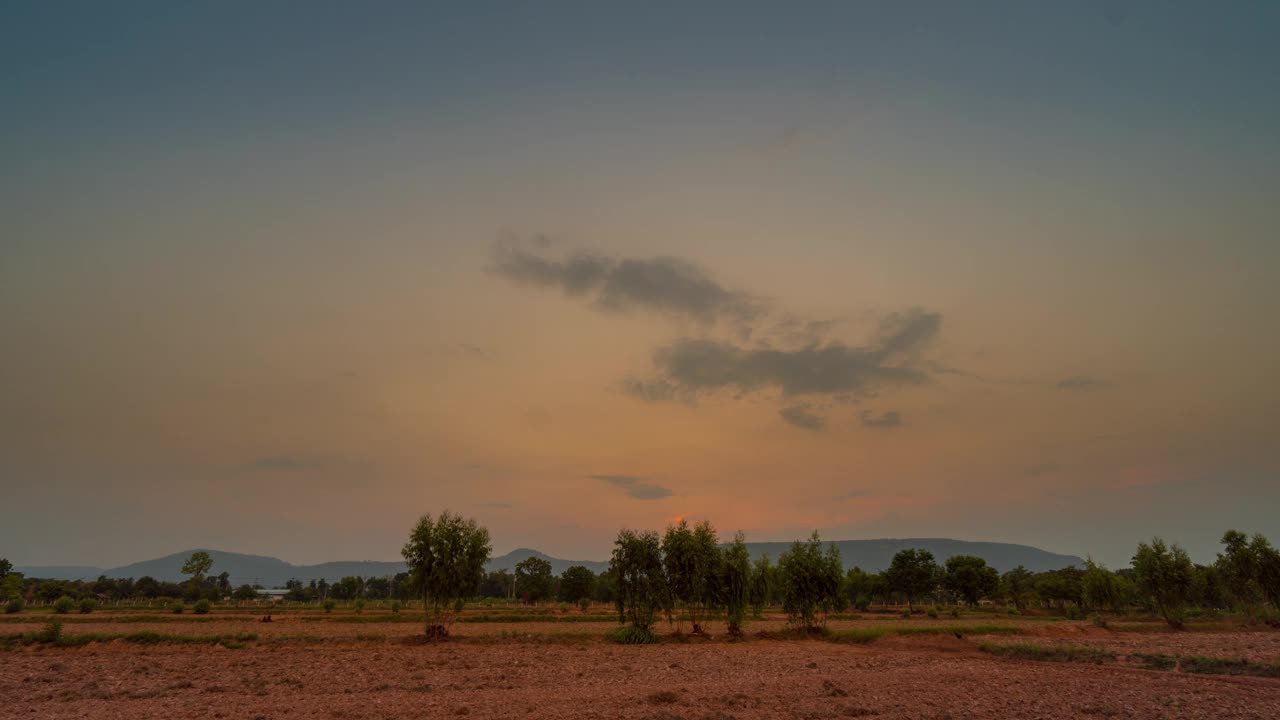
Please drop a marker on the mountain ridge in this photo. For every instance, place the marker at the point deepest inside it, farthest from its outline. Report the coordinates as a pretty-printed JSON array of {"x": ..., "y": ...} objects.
[{"x": 871, "y": 555}]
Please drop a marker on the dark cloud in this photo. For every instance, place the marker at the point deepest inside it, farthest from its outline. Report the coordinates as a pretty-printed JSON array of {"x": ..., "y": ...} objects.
[
  {"x": 635, "y": 487},
  {"x": 884, "y": 420},
  {"x": 663, "y": 284},
  {"x": 700, "y": 364},
  {"x": 1080, "y": 382},
  {"x": 657, "y": 390},
  {"x": 800, "y": 416}
]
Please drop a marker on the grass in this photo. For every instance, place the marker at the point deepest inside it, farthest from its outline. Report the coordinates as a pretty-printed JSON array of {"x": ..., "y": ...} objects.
[
  {"x": 52, "y": 635},
  {"x": 1228, "y": 666},
  {"x": 862, "y": 636},
  {"x": 1155, "y": 661},
  {"x": 628, "y": 635},
  {"x": 1049, "y": 653}
]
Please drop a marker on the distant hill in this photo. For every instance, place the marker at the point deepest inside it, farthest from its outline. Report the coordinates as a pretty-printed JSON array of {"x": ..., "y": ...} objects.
[{"x": 870, "y": 555}]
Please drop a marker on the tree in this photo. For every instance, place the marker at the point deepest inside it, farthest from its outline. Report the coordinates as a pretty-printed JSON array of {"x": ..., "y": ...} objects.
[
  {"x": 912, "y": 573},
  {"x": 1103, "y": 589},
  {"x": 197, "y": 566},
  {"x": 533, "y": 579},
  {"x": 641, "y": 587},
  {"x": 245, "y": 592},
  {"x": 690, "y": 556},
  {"x": 446, "y": 558},
  {"x": 496, "y": 584},
  {"x": 970, "y": 578},
  {"x": 764, "y": 584},
  {"x": 735, "y": 582},
  {"x": 1164, "y": 574},
  {"x": 6, "y": 567},
  {"x": 576, "y": 583},
  {"x": 1240, "y": 571},
  {"x": 1017, "y": 586},
  {"x": 811, "y": 582}
]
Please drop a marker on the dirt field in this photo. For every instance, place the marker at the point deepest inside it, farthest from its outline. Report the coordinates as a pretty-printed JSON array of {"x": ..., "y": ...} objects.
[{"x": 366, "y": 667}]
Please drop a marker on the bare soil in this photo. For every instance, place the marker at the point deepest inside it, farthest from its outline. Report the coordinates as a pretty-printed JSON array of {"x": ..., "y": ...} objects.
[{"x": 316, "y": 670}]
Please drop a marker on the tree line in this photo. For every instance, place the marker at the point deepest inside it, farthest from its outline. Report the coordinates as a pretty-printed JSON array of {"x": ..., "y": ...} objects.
[{"x": 686, "y": 574}]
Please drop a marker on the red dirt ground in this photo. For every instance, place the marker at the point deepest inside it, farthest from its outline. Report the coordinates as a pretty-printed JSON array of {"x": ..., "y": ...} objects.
[{"x": 318, "y": 671}]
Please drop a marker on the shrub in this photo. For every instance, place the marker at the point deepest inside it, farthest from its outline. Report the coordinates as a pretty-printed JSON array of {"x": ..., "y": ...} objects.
[
  {"x": 15, "y": 605},
  {"x": 863, "y": 604},
  {"x": 636, "y": 569},
  {"x": 932, "y": 612},
  {"x": 690, "y": 557},
  {"x": 955, "y": 612},
  {"x": 50, "y": 633},
  {"x": 735, "y": 583},
  {"x": 358, "y": 605},
  {"x": 177, "y": 608},
  {"x": 1075, "y": 613},
  {"x": 395, "y": 607},
  {"x": 584, "y": 604},
  {"x": 1099, "y": 621},
  {"x": 906, "y": 614},
  {"x": 1014, "y": 611},
  {"x": 87, "y": 605},
  {"x": 329, "y": 604},
  {"x": 632, "y": 635},
  {"x": 63, "y": 605},
  {"x": 202, "y": 607}
]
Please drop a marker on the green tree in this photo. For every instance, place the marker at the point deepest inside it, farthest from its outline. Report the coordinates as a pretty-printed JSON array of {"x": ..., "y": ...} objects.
[
  {"x": 811, "y": 580},
  {"x": 764, "y": 584},
  {"x": 245, "y": 592},
  {"x": 446, "y": 558},
  {"x": 1239, "y": 569},
  {"x": 913, "y": 573},
  {"x": 576, "y": 583},
  {"x": 735, "y": 582},
  {"x": 690, "y": 556},
  {"x": 638, "y": 577},
  {"x": 1102, "y": 589},
  {"x": 533, "y": 579},
  {"x": 6, "y": 567},
  {"x": 970, "y": 578},
  {"x": 1165, "y": 575},
  {"x": 197, "y": 566}
]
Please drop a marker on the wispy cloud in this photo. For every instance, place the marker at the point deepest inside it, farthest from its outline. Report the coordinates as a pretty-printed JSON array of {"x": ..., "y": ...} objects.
[
  {"x": 635, "y": 487},
  {"x": 801, "y": 417},
  {"x": 1080, "y": 382},
  {"x": 889, "y": 419}
]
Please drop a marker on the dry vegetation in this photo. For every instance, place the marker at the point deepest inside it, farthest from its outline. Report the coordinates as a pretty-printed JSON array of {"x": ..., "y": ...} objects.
[{"x": 505, "y": 662}]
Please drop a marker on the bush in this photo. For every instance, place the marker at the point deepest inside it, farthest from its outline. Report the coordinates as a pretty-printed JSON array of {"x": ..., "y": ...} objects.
[
  {"x": 63, "y": 605},
  {"x": 177, "y": 608},
  {"x": 51, "y": 633},
  {"x": 932, "y": 612},
  {"x": 1015, "y": 611},
  {"x": 15, "y": 605},
  {"x": 87, "y": 605},
  {"x": 395, "y": 607},
  {"x": 1075, "y": 613},
  {"x": 632, "y": 635},
  {"x": 359, "y": 606},
  {"x": 863, "y": 604},
  {"x": 329, "y": 604},
  {"x": 1099, "y": 621},
  {"x": 584, "y": 604},
  {"x": 201, "y": 608},
  {"x": 811, "y": 582},
  {"x": 906, "y": 614},
  {"x": 955, "y": 612}
]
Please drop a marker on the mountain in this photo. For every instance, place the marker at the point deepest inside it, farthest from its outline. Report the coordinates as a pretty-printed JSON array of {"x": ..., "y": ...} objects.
[
  {"x": 870, "y": 555},
  {"x": 875, "y": 555}
]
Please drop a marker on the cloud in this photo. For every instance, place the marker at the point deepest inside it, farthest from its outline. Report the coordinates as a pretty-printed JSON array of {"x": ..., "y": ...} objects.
[
  {"x": 657, "y": 390},
  {"x": 800, "y": 416},
  {"x": 884, "y": 420},
  {"x": 635, "y": 487},
  {"x": 281, "y": 463},
  {"x": 702, "y": 364},
  {"x": 665, "y": 285},
  {"x": 1080, "y": 382},
  {"x": 851, "y": 495}
]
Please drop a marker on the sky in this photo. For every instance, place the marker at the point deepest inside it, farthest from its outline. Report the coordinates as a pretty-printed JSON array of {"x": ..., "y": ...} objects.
[{"x": 280, "y": 277}]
